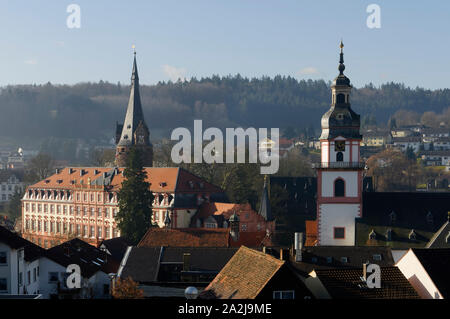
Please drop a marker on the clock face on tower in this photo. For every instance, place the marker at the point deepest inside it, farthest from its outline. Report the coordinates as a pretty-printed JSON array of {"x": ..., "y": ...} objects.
[{"x": 339, "y": 146}]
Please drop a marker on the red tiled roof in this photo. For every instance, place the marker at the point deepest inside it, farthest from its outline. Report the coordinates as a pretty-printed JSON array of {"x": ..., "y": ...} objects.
[
  {"x": 161, "y": 179},
  {"x": 201, "y": 237},
  {"x": 244, "y": 276},
  {"x": 185, "y": 237},
  {"x": 225, "y": 209}
]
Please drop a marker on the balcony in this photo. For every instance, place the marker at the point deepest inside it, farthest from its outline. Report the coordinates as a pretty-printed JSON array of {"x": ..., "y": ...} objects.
[{"x": 340, "y": 165}]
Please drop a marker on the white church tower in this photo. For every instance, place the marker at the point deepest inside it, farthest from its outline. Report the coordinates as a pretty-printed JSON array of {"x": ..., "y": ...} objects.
[{"x": 340, "y": 173}]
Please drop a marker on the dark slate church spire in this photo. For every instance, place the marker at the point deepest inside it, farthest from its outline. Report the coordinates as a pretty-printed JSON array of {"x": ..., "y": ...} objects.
[
  {"x": 264, "y": 208},
  {"x": 134, "y": 113},
  {"x": 134, "y": 129}
]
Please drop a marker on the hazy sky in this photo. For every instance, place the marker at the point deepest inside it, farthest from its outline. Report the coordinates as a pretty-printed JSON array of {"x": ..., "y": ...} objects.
[{"x": 184, "y": 38}]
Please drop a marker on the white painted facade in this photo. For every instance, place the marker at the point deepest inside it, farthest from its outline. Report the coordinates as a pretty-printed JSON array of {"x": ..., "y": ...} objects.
[
  {"x": 413, "y": 270},
  {"x": 350, "y": 178},
  {"x": 338, "y": 215},
  {"x": 11, "y": 263},
  {"x": 339, "y": 199}
]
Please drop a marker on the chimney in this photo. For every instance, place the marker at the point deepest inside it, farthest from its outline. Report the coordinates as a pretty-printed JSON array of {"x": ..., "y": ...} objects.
[
  {"x": 264, "y": 249},
  {"x": 365, "y": 270},
  {"x": 284, "y": 255},
  {"x": 298, "y": 246},
  {"x": 186, "y": 261}
]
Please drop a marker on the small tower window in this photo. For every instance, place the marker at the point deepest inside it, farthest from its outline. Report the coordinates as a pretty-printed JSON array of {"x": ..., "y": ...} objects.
[
  {"x": 340, "y": 98},
  {"x": 339, "y": 157},
  {"x": 339, "y": 188}
]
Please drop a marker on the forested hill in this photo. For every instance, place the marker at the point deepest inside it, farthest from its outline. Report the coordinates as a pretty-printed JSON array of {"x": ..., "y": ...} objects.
[{"x": 91, "y": 109}]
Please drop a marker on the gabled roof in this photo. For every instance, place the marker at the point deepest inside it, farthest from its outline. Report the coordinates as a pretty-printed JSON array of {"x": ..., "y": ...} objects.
[
  {"x": 411, "y": 210},
  {"x": 191, "y": 237},
  {"x": 144, "y": 264},
  {"x": 441, "y": 239},
  {"x": 31, "y": 251},
  {"x": 115, "y": 246},
  {"x": 202, "y": 237},
  {"x": 327, "y": 257},
  {"x": 245, "y": 275},
  {"x": 346, "y": 283},
  {"x": 89, "y": 258},
  {"x": 436, "y": 263},
  {"x": 161, "y": 179}
]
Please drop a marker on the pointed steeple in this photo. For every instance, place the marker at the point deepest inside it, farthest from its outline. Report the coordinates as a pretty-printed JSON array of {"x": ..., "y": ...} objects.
[
  {"x": 264, "y": 208},
  {"x": 341, "y": 60},
  {"x": 134, "y": 113}
]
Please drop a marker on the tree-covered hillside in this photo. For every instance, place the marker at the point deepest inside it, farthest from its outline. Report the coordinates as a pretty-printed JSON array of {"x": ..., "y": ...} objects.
[{"x": 91, "y": 109}]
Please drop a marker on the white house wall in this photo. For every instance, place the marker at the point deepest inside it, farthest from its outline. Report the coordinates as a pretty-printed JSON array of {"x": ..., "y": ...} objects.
[
  {"x": 337, "y": 215},
  {"x": 413, "y": 270},
  {"x": 351, "y": 183}
]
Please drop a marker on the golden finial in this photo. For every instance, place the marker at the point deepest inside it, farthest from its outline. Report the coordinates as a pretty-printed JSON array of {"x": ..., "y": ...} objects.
[
  {"x": 341, "y": 45},
  {"x": 134, "y": 48}
]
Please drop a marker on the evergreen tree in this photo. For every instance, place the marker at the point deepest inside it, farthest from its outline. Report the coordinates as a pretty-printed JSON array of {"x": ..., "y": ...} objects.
[{"x": 135, "y": 200}]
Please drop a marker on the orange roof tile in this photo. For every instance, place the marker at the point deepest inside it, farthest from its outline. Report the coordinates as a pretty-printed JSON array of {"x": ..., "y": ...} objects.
[
  {"x": 185, "y": 237},
  {"x": 161, "y": 179}
]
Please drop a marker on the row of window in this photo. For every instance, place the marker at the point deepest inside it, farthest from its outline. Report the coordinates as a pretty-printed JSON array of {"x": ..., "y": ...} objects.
[
  {"x": 29, "y": 279},
  {"x": 10, "y": 187},
  {"x": 68, "y": 228},
  {"x": 50, "y": 208},
  {"x": 5, "y": 197}
]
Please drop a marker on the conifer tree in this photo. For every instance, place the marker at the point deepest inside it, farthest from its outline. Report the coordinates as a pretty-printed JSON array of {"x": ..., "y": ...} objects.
[{"x": 135, "y": 200}]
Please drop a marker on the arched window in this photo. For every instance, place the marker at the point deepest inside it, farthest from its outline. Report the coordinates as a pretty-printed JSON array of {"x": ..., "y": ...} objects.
[
  {"x": 339, "y": 188},
  {"x": 339, "y": 157},
  {"x": 340, "y": 98}
]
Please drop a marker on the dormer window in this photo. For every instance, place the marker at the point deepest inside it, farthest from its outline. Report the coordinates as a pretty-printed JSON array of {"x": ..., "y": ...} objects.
[
  {"x": 412, "y": 235},
  {"x": 389, "y": 234},
  {"x": 372, "y": 235},
  {"x": 377, "y": 257},
  {"x": 447, "y": 239},
  {"x": 340, "y": 98}
]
